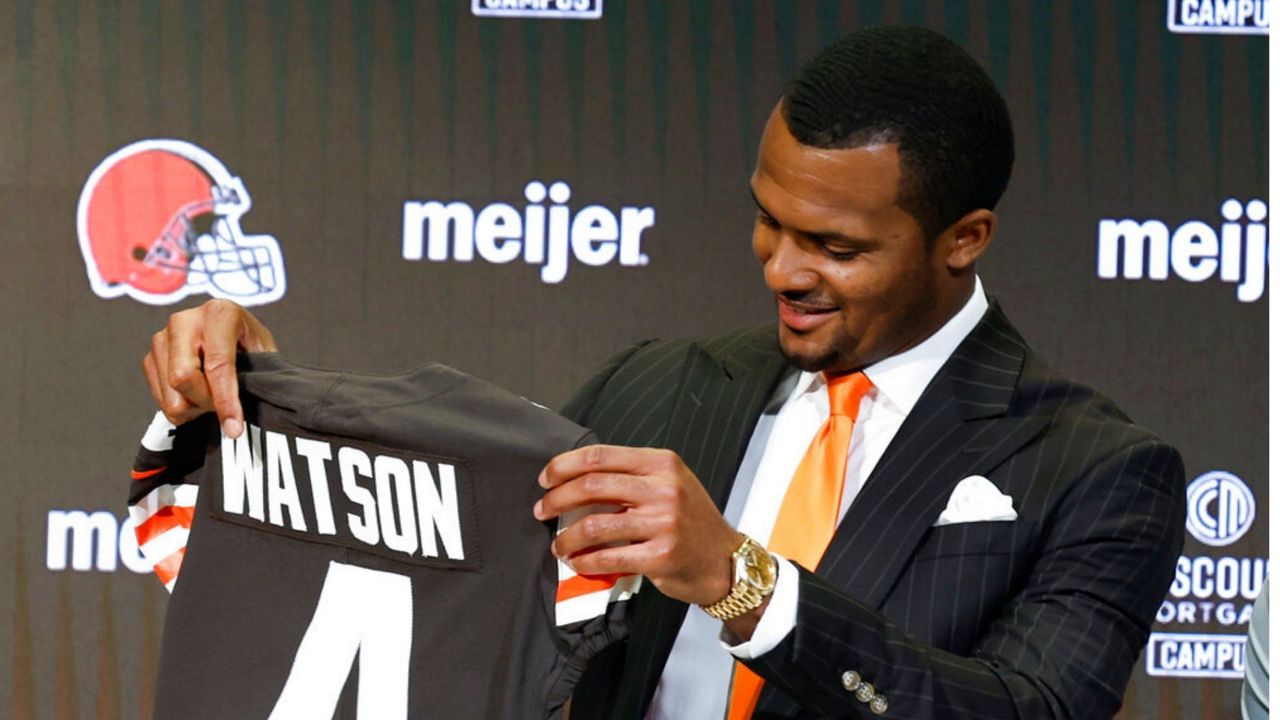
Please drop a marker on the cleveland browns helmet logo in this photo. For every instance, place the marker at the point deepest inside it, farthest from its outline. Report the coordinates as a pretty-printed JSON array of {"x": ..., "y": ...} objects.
[{"x": 160, "y": 219}]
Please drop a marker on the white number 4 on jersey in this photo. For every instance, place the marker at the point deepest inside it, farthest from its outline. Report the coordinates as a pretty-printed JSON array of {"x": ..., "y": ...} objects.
[{"x": 363, "y": 611}]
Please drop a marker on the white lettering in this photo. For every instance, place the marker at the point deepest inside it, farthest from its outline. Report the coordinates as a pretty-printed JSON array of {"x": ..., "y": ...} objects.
[
  {"x": 282, "y": 487},
  {"x": 438, "y": 218},
  {"x": 545, "y": 236},
  {"x": 85, "y": 532},
  {"x": 365, "y": 526},
  {"x": 498, "y": 222},
  {"x": 438, "y": 510},
  {"x": 317, "y": 452},
  {"x": 395, "y": 504},
  {"x": 242, "y": 473},
  {"x": 595, "y": 235},
  {"x": 1195, "y": 251}
]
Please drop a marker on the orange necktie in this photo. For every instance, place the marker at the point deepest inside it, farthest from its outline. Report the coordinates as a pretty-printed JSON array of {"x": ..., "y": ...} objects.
[{"x": 807, "y": 519}]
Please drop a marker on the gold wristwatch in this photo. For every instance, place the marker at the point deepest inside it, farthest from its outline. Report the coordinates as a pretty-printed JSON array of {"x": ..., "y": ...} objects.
[{"x": 754, "y": 575}]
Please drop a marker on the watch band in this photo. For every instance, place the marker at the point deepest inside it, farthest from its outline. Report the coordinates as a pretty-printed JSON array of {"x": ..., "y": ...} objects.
[{"x": 744, "y": 596}]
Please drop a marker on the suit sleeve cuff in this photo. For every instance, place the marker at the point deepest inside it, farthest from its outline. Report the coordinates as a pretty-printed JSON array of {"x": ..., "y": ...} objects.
[{"x": 779, "y": 617}]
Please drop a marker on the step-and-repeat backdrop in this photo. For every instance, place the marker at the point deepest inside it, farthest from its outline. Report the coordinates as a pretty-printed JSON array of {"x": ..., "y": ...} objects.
[{"x": 519, "y": 188}]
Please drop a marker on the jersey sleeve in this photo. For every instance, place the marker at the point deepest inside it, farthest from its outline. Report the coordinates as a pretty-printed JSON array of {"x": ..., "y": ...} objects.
[{"x": 162, "y": 493}]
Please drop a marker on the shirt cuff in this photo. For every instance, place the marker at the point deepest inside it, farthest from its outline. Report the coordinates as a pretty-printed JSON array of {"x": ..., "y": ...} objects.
[{"x": 779, "y": 616}]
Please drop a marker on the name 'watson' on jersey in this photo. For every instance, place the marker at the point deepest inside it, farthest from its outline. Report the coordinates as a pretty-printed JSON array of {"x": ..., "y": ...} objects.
[{"x": 594, "y": 235}]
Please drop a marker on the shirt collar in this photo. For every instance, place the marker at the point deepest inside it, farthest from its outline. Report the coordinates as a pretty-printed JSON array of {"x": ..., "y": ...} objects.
[{"x": 901, "y": 379}]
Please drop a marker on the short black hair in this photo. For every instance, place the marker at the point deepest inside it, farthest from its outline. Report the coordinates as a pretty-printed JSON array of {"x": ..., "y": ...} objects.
[{"x": 916, "y": 88}]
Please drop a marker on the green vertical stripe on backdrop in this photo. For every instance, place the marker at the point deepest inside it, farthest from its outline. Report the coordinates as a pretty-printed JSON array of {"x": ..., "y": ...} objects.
[
  {"x": 237, "y": 24},
  {"x": 405, "y": 24},
  {"x": 744, "y": 45},
  {"x": 1042, "y": 64},
  {"x": 1170, "y": 62},
  {"x": 700, "y": 48},
  {"x": 68, "y": 20},
  {"x": 1084, "y": 23},
  {"x": 828, "y": 12},
  {"x": 575, "y": 59},
  {"x": 109, "y": 64},
  {"x": 872, "y": 12},
  {"x": 149, "y": 18},
  {"x": 998, "y": 22},
  {"x": 531, "y": 36},
  {"x": 615, "y": 26},
  {"x": 278, "y": 23},
  {"x": 784, "y": 33},
  {"x": 1213, "y": 104},
  {"x": 955, "y": 22},
  {"x": 489, "y": 82},
  {"x": 659, "y": 17},
  {"x": 447, "y": 53},
  {"x": 24, "y": 37},
  {"x": 362, "y": 38},
  {"x": 1255, "y": 56},
  {"x": 1126, "y": 19},
  {"x": 320, "y": 66},
  {"x": 912, "y": 13},
  {"x": 192, "y": 40}
]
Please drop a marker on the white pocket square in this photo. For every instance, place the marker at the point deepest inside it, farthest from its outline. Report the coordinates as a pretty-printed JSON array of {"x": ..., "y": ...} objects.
[{"x": 975, "y": 499}]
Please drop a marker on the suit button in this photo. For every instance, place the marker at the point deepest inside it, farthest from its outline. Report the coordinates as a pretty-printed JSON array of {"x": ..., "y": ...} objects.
[
  {"x": 864, "y": 691},
  {"x": 850, "y": 680},
  {"x": 879, "y": 705}
]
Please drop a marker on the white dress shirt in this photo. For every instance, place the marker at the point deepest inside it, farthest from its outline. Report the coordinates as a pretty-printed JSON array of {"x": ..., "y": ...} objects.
[{"x": 695, "y": 682}]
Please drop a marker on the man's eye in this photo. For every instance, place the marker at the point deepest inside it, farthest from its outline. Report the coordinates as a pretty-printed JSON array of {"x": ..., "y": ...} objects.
[
  {"x": 837, "y": 253},
  {"x": 766, "y": 220}
]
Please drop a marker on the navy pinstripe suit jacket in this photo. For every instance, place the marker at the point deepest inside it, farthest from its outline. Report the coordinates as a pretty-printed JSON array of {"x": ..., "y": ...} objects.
[{"x": 1038, "y": 618}]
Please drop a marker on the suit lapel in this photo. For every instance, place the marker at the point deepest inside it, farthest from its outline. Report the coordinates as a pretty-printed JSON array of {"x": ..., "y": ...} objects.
[
  {"x": 723, "y": 390},
  {"x": 959, "y": 427}
]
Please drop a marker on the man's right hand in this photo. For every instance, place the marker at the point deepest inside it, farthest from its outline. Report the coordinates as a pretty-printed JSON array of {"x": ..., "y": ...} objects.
[{"x": 191, "y": 368}]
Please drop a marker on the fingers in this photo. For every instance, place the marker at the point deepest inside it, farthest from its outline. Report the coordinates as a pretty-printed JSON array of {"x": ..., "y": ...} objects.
[
  {"x": 598, "y": 530},
  {"x": 191, "y": 367},
  {"x": 637, "y": 559},
  {"x": 609, "y": 459},
  {"x": 223, "y": 327},
  {"x": 598, "y": 487},
  {"x": 155, "y": 366},
  {"x": 152, "y": 374}
]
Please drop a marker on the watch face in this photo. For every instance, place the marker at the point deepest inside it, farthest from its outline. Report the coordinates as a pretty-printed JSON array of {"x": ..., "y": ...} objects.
[{"x": 756, "y": 567}]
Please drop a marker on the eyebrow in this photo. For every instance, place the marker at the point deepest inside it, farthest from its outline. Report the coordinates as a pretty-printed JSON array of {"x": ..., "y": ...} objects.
[{"x": 822, "y": 235}]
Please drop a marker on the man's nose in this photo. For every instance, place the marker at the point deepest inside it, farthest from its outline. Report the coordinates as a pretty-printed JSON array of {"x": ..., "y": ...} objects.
[{"x": 788, "y": 267}]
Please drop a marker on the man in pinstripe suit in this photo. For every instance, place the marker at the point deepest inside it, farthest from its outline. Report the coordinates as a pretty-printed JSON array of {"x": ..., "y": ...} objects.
[
  {"x": 1005, "y": 534},
  {"x": 876, "y": 180}
]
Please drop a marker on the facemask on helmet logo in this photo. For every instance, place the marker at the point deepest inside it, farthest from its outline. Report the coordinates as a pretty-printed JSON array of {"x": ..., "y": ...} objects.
[{"x": 160, "y": 219}]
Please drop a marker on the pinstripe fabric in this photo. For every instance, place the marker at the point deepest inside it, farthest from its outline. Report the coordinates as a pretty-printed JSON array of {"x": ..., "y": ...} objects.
[{"x": 1042, "y": 617}]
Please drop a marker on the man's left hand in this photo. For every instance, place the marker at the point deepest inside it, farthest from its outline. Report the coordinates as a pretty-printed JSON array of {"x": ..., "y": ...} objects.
[{"x": 667, "y": 529}]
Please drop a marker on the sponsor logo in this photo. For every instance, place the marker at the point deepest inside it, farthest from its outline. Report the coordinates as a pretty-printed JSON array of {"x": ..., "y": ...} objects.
[
  {"x": 1229, "y": 17},
  {"x": 1220, "y": 508},
  {"x": 1194, "y": 250},
  {"x": 545, "y": 236},
  {"x": 1209, "y": 591},
  {"x": 159, "y": 220},
  {"x": 1195, "y": 656},
  {"x": 563, "y": 9},
  {"x": 86, "y": 541}
]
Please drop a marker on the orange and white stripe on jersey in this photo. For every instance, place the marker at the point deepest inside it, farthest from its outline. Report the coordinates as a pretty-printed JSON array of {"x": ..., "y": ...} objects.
[
  {"x": 162, "y": 517},
  {"x": 162, "y": 522},
  {"x": 583, "y": 597}
]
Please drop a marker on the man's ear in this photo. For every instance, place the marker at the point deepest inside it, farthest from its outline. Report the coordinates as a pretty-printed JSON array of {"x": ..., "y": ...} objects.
[{"x": 967, "y": 238}]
